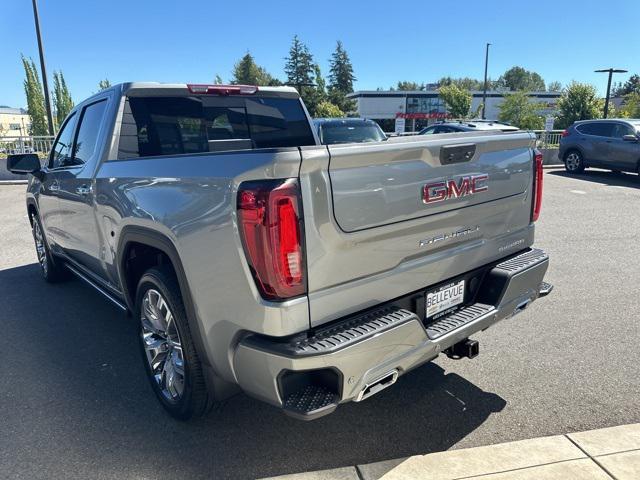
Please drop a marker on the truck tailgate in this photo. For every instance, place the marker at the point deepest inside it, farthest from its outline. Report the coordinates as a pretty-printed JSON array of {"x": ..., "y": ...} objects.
[{"x": 385, "y": 219}]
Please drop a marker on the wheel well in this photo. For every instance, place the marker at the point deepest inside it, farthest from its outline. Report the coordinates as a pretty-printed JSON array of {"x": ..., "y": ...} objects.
[{"x": 137, "y": 259}]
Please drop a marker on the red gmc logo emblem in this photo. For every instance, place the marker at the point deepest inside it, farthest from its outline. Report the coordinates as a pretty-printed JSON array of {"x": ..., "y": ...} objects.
[{"x": 440, "y": 191}]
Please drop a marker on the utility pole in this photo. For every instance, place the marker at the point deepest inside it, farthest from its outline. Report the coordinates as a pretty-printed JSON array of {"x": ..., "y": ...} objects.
[
  {"x": 484, "y": 94},
  {"x": 45, "y": 84},
  {"x": 610, "y": 71}
]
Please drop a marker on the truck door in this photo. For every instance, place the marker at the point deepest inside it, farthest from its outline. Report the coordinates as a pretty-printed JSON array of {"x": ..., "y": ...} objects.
[
  {"x": 48, "y": 198},
  {"x": 82, "y": 240}
]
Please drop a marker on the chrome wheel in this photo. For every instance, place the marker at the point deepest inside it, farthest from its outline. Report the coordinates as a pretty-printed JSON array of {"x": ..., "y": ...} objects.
[
  {"x": 573, "y": 161},
  {"x": 40, "y": 247},
  {"x": 162, "y": 345}
]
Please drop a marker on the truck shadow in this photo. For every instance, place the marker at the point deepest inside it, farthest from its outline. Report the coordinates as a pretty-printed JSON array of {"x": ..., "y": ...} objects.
[
  {"x": 77, "y": 388},
  {"x": 603, "y": 177}
]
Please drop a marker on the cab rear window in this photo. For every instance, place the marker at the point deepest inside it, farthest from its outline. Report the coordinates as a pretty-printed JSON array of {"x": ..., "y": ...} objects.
[{"x": 156, "y": 126}]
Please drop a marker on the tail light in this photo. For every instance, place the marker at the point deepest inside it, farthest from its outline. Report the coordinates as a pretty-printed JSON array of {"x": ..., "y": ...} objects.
[
  {"x": 269, "y": 220},
  {"x": 565, "y": 133},
  {"x": 537, "y": 185},
  {"x": 223, "y": 89}
]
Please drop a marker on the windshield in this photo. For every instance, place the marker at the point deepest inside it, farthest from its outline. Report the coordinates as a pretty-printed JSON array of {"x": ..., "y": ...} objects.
[{"x": 351, "y": 133}]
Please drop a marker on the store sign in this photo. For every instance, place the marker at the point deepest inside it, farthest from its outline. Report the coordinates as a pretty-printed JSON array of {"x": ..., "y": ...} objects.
[
  {"x": 422, "y": 116},
  {"x": 548, "y": 123},
  {"x": 400, "y": 125}
]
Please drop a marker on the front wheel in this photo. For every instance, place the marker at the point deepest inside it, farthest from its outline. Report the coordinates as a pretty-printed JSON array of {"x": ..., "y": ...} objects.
[
  {"x": 51, "y": 270},
  {"x": 170, "y": 359},
  {"x": 573, "y": 162}
]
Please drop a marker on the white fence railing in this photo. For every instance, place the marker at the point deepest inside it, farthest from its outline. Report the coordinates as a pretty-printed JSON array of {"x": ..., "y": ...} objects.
[
  {"x": 24, "y": 144},
  {"x": 550, "y": 139}
]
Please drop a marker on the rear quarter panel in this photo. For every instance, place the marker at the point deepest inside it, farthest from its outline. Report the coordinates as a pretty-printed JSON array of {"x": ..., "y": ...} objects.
[{"x": 190, "y": 200}]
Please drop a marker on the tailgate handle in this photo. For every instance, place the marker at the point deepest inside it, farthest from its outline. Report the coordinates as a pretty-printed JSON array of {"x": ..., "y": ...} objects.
[{"x": 450, "y": 154}]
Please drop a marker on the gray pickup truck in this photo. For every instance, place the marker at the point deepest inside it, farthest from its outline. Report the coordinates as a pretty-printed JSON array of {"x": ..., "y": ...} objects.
[{"x": 255, "y": 258}]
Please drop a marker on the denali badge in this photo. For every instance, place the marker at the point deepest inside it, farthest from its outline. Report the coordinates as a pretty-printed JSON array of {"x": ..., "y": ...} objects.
[
  {"x": 448, "y": 236},
  {"x": 469, "y": 185}
]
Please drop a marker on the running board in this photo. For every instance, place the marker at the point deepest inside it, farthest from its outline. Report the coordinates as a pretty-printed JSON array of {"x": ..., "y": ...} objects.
[{"x": 97, "y": 287}]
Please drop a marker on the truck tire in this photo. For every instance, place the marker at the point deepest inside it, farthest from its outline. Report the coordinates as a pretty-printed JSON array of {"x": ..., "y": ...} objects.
[
  {"x": 52, "y": 271},
  {"x": 574, "y": 162},
  {"x": 171, "y": 362}
]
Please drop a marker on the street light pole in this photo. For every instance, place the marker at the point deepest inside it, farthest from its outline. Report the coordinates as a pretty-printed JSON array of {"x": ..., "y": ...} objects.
[
  {"x": 484, "y": 94},
  {"x": 45, "y": 84},
  {"x": 610, "y": 71}
]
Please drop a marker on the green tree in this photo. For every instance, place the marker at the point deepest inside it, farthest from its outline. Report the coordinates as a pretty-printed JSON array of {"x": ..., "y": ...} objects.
[
  {"x": 341, "y": 79},
  {"x": 630, "y": 86},
  {"x": 466, "y": 83},
  {"x": 457, "y": 100},
  {"x": 579, "y": 101},
  {"x": 518, "y": 110},
  {"x": 247, "y": 72},
  {"x": 408, "y": 86},
  {"x": 217, "y": 80},
  {"x": 554, "y": 87},
  {"x": 517, "y": 78},
  {"x": 104, "y": 84},
  {"x": 301, "y": 71},
  {"x": 35, "y": 98},
  {"x": 631, "y": 106},
  {"x": 62, "y": 101},
  {"x": 326, "y": 109}
]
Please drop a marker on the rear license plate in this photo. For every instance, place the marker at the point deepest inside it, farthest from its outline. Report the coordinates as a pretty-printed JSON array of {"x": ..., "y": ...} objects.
[{"x": 444, "y": 299}]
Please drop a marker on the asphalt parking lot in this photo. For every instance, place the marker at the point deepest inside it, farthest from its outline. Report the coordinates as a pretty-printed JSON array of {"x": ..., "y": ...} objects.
[{"x": 74, "y": 402}]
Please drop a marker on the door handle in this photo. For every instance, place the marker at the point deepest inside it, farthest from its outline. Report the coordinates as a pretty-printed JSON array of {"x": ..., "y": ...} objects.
[
  {"x": 83, "y": 190},
  {"x": 54, "y": 187}
]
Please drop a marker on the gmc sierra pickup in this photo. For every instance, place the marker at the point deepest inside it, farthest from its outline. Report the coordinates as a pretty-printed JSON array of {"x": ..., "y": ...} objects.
[{"x": 252, "y": 256}]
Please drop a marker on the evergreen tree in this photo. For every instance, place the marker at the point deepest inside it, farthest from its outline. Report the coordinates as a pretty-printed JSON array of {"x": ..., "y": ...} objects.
[
  {"x": 62, "y": 101},
  {"x": 341, "y": 79},
  {"x": 104, "y": 84},
  {"x": 301, "y": 71},
  {"x": 35, "y": 98},
  {"x": 217, "y": 80},
  {"x": 247, "y": 72}
]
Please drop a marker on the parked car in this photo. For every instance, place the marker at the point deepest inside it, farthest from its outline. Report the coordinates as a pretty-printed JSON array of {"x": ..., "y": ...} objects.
[
  {"x": 252, "y": 256},
  {"x": 468, "y": 126},
  {"x": 348, "y": 130},
  {"x": 612, "y": 144}
]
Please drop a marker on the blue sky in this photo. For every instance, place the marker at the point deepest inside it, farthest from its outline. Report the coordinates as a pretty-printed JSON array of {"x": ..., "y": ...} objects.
[{"x": 192, "y": 40}]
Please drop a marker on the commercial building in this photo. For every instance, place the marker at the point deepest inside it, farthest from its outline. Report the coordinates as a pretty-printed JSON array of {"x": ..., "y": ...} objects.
[
  {"x": 409, "y": 111},
  {"x": 14, "y": 122}
]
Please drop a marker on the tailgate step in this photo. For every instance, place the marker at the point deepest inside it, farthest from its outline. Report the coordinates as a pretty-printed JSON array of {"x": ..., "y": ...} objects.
[
  {"x": 521, "y": 262},
  {"x": 456, "y": 320},
  {"x": 310, "y": 402},
  {"x": 339, "y": 335}
]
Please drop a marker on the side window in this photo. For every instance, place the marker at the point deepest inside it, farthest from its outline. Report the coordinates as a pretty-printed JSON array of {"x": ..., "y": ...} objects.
[
  {"x": 621, "y": 129},
  {"x": 600, "y": 129},
  {"x": 87, "y": 137},
  {"x": 61, "y": 151}
]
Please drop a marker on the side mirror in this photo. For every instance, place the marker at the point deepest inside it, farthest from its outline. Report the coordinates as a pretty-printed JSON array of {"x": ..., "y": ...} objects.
[
  {"x": 630, "y": 138},
  {"x": 23, "y": 163}
]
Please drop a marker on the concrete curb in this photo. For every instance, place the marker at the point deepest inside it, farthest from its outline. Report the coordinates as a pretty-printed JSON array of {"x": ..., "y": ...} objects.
[
  {"x": 593, "y": 455},
  {"x": 13, "y": 182}
]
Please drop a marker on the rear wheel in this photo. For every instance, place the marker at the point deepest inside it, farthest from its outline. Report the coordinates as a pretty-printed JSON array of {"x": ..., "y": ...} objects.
[
  {"x": 51, "y": 270},
  {"x": 573, "y": 161},
  {"x": 173, "y": 367}
]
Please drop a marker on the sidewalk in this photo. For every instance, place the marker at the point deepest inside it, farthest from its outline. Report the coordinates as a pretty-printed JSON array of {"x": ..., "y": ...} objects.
[{"x": 606, "y": 454}]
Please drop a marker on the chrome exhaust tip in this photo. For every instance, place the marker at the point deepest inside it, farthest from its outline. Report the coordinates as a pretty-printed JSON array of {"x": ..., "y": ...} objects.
[{"x": 377, "y": 385}]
